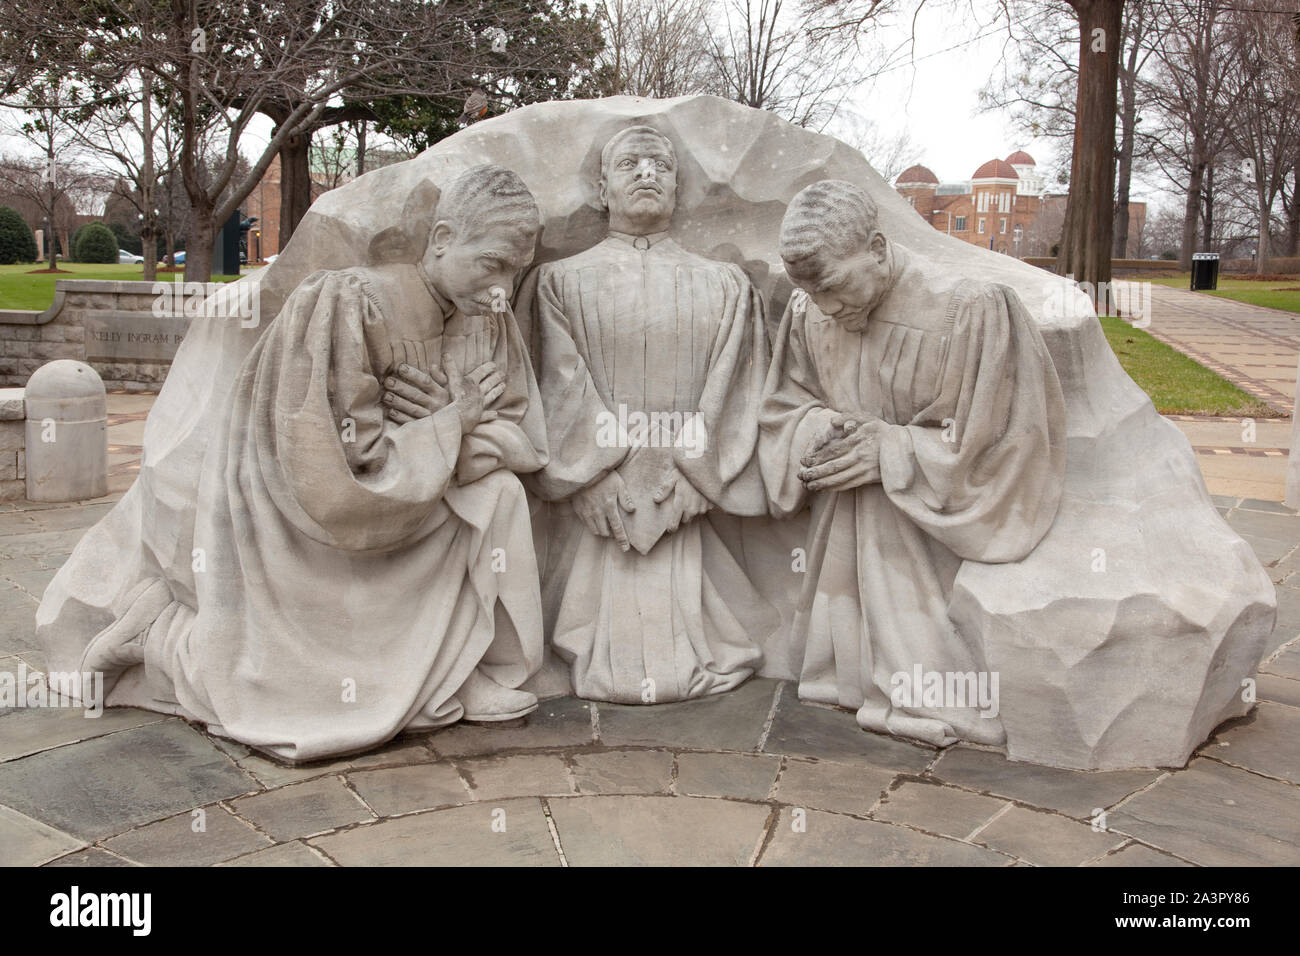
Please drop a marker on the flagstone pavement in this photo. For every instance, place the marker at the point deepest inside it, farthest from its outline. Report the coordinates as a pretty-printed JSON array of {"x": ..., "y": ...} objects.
[{"x": 751, "y": 777}]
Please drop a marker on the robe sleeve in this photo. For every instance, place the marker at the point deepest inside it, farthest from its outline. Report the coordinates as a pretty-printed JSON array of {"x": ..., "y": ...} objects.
[
  {"x": 573, "y": 405},
  {"x": 516, "y": 439},
  {"x": 338, "y": 469},
  {"x": 724, "y": 466},
  {"x": 792, "y": 413},
  {"x": 988, "y": 485}
]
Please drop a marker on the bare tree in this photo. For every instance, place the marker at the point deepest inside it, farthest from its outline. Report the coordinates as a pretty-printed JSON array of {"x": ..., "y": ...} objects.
[
  {"x": 656, "y": 48},
  {"x": 226, "y": 61},
  {"x": 889, "y": 154},
  {"x": 798, "y": 60},
  {"x": 1264, "y": 126},
  {"x": 1194, "y": 61},
  {"x": 59, "y": 182}
]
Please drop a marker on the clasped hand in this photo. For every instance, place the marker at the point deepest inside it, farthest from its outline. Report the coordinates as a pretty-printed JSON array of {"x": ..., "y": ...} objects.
[
  {"x": 845, "y": 455},
  {"x": 412, "y": 394},
  {"x": 601, "y": 506}
]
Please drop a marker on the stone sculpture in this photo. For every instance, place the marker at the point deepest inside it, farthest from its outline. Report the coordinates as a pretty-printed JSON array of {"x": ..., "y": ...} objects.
[
  {"x": 1121, "y": 639},
  {"x": 642, "y": 596},
  {"x": 351, "y": 577},
  {"x": 923, "y": 414}
]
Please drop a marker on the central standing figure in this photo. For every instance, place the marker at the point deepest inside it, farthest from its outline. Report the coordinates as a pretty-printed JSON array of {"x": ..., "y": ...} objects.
[{"x": 650, "y": 363}]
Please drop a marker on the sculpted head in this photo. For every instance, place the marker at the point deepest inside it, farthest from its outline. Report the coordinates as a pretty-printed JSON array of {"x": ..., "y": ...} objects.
[
  {"x": 638, "y": 180},
  {"x": 834, "y": 252},
  {"x": 482, "y": 239}
]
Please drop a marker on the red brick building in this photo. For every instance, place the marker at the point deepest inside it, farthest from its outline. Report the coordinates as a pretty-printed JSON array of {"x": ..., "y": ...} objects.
[{"x": 1003, "y": 207}]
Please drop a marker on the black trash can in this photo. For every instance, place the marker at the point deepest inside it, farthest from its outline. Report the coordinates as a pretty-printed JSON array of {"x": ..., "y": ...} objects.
[{"x": 1205, "y": 271}]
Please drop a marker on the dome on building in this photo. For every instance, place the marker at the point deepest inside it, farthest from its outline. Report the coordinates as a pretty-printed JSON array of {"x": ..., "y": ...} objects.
[
  {"x": 996, "y": 169},
  {"x": 916, "y": 175},
  {"x": 1021, "y": 158}
]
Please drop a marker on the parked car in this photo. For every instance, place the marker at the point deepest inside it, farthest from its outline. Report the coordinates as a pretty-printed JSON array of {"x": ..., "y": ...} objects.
[
  {"x": 129, "y": 258},
  {"x": 180, "y": 258}
]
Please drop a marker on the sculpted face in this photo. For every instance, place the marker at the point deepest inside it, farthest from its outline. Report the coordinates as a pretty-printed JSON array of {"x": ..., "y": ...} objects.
[
  {"x": 846, "y": 288},
  {"x": 639, "y": 185},
  {"x": 478, "y": 272}
]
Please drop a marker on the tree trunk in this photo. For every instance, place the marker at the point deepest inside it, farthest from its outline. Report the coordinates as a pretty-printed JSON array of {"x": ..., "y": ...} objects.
[
  {"x": 148, "y": 229},
  {"x": 1207, "y": 243},
  {"x": 1293, "y": 224},
  {"x": 198, "y": 246},
  {"x": 1262, "y": 210},
  {"x": 295, "y": 184},
  {"x": 1087, "y": 237},
  {"x": 1192, "y": 212},
  {"x": 361, "y": 149},
  {"x": 1128, "y": 122}
]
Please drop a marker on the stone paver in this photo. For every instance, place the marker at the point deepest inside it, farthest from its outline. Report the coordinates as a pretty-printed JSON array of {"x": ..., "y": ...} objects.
[
  {"x": 110, "y": 784},
  {"x": 1280, "y": 690},
  {"x": 657, "y": 831},
  {"x": 1285, "y": 664},
  {"x": 91, "y": 857},
  {"x": 1046, "y": 839},
  {"x": 188, "y": 839},
  {"x": 1069, "y": 792},
  {"x": 1266, "y": 741},
  {"x": 829, "y": 839},
  {"x": 28, "y": 842},
  {"x": 407, "y": 789},
  {"x": 302, "y": 809},
  {"x": 943, "y": 810},
  {"x": 1135, "y": 854},
  {"x": 812, "y": 731},
  {"x": 284, "y": 854},
  {"x": 732, "y": 721},
  {"x": 496, "y": 778},
  {"x": 505, "y": 833},
  {"x": 25, "y": 730},
  {"x": 1216, "y": 815},
  {"x": 743, "y": 776},
  {"x": 633, "y": 771},
  {"x": 831, "y": 786}
]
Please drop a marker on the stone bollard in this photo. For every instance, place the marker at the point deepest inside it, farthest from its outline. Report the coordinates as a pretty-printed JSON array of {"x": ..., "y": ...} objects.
[{"x": 67, "y": 433}]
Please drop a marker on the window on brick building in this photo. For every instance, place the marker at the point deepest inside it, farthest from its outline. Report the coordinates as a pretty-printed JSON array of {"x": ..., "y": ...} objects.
[
  {"x": 959, "y": 223},
  {"x": 1003, "y": 227},
  {"x": 980, "y": 229}
]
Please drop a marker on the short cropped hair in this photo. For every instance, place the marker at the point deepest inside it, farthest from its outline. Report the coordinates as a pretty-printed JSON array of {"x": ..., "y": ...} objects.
[
  {"x": 623, "y": 134},
  {"x": 487, "y": 196},
  {"x": 832, "y": 216}
]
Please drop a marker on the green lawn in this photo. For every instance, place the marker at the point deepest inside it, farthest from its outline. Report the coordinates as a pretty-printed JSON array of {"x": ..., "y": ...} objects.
[
  {"x": 19, "y": 290},
  {"x": 1280, "y": 294},
  {"x": 1176, "y": 384}
]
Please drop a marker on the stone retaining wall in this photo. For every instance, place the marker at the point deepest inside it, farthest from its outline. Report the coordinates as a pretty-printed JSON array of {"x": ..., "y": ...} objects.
[
  {"x": 110, "y": 325},
  {"x": 13, "y": 444}
]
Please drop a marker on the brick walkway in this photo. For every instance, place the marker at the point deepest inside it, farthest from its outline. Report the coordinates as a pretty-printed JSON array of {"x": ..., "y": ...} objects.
[
  {"x": 1253, "y": 347},
  {"x": 751, "y": 777}
]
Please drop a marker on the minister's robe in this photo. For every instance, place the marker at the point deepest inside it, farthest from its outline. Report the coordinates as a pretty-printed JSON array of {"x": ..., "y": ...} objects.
[
  {"x": 652, "y": 330},
  {"x": 350, "y": 573},
  {"x": 971, "y": 469}
]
